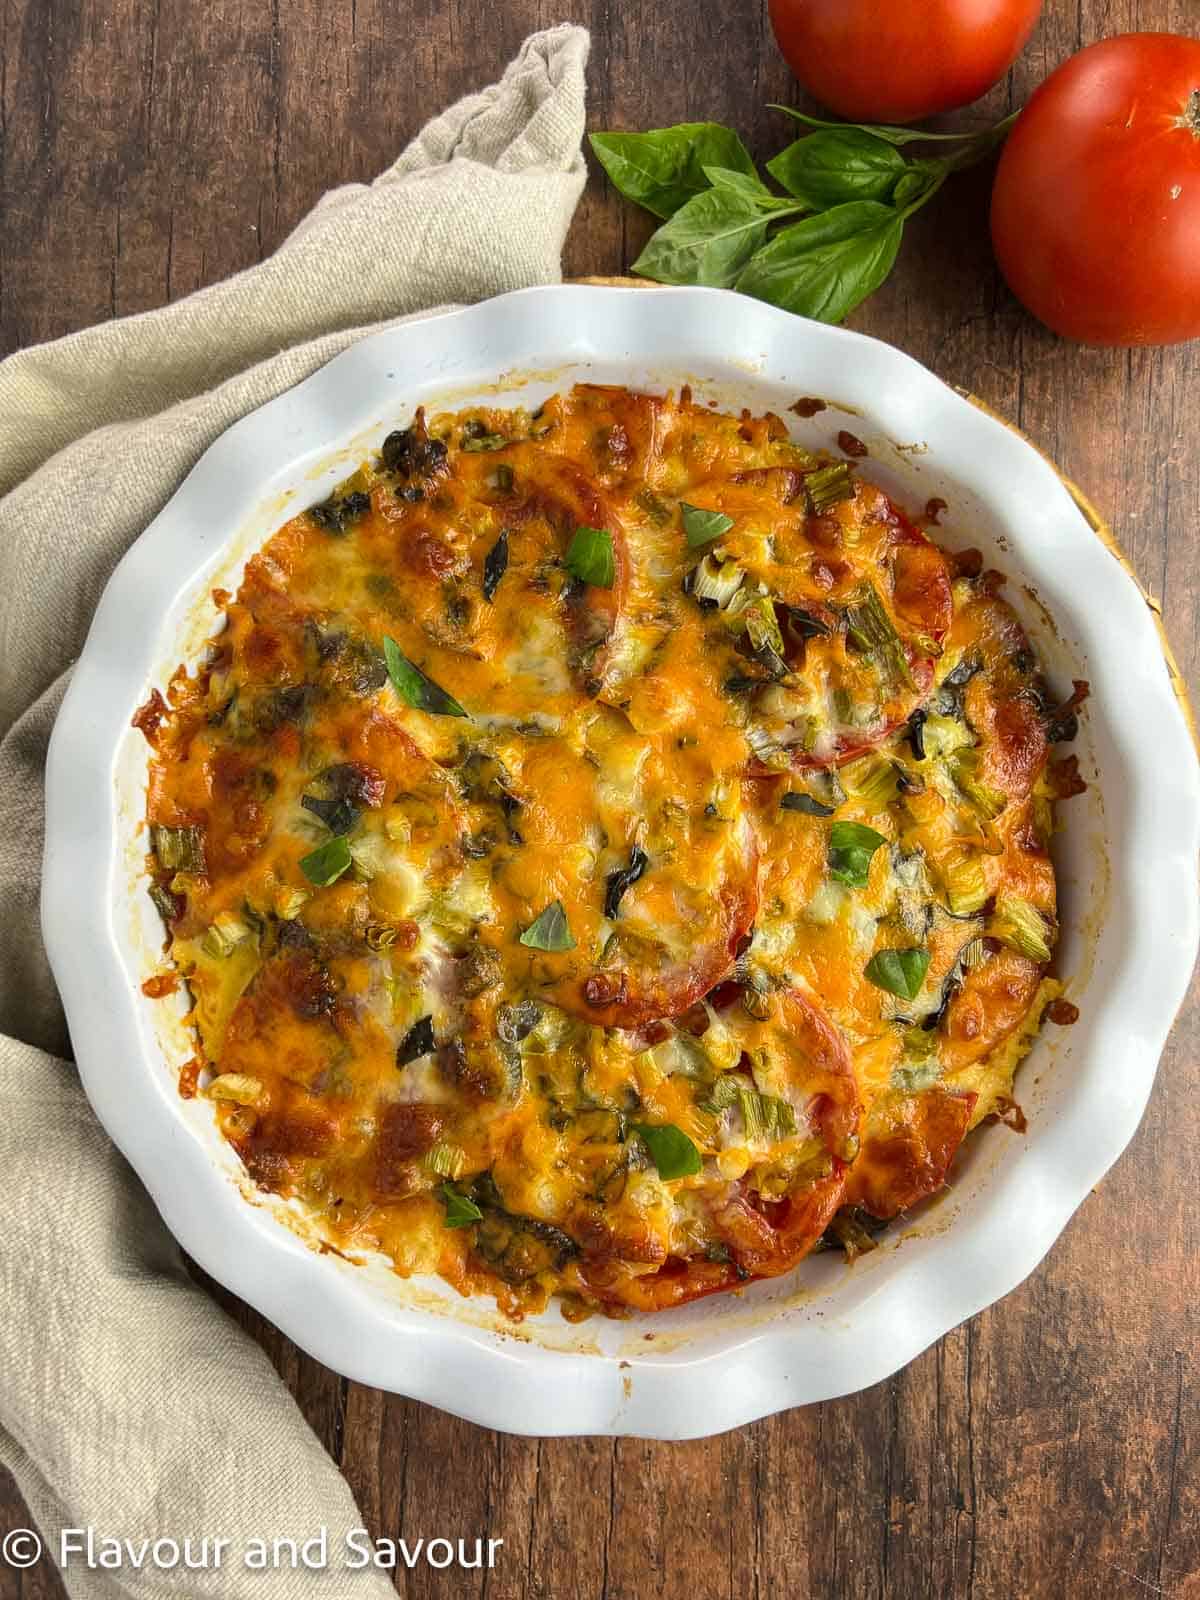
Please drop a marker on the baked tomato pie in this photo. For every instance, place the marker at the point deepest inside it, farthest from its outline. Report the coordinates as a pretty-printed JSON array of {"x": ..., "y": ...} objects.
[{"x": 607, "y": 852}]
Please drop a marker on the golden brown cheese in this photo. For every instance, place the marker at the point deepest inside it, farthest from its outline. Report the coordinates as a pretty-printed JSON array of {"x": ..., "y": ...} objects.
[{"x": 607, "y": 851}]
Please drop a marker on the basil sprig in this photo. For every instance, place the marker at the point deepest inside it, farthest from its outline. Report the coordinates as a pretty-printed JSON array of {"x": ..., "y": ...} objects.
[{"x": 848, "y": 193}]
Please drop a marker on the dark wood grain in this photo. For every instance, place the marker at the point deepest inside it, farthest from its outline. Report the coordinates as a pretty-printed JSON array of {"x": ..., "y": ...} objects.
[{"x": 1051, "y": 1448}]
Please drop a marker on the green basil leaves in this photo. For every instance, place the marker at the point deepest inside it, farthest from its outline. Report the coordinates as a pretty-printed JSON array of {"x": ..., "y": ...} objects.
[
  {"x": 549, "y": 930},
  {"x": 851, "y": 846},
  {"x": 414, "y": 688},
  {"x": 672, "y": 1152},
  {"x": 461, "y": 1211},
  {"x": 590, "y": 557},
  {"x": 900, "y": 972},
  {"x": 702, "y": 527},
  {"x": 663, "y": 169},
  {"x": 849, "y": 192}
]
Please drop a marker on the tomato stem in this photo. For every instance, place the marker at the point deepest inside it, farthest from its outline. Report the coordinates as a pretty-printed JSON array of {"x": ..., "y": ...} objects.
[{"x": 1191, "y": 113}]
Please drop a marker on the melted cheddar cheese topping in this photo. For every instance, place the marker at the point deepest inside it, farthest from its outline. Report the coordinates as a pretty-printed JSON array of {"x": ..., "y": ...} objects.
[{"x": 607, "y": 851}]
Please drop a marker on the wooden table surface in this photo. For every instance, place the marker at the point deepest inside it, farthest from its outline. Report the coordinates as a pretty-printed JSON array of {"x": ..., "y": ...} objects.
[{"x": 1051, "y": 1447}]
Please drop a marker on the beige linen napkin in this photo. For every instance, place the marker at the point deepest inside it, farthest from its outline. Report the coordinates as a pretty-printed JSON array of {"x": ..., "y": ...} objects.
[{"x": 128, "y": 1401}]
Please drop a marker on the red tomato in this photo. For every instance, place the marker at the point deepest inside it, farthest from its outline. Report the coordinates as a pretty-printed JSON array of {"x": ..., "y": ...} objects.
[
  {"x": 1096, "y": 206},
  {"x": 903, "y": 60}
]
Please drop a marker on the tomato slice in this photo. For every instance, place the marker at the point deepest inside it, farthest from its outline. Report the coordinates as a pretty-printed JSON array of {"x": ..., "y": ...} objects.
[
  {"x": 648, "y": 981},
  {"x": 907, "y": 1149},
  {"x": 765, "y": 1238},
  {"x": 894, "y": 593}
]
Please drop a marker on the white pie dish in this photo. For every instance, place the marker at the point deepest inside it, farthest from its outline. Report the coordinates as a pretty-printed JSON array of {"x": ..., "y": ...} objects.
[{"x": 1127, "y": 866}]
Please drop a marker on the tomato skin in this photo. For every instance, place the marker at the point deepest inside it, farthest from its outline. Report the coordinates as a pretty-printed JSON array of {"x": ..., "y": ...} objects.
[
  {"x": 1096, "y": 204},
  {"x": 901, "y": 61}
]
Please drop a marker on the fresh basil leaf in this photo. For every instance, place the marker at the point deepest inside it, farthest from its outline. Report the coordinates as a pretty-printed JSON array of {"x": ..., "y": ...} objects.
[
  {"x": 414, "y": 688},
  {"x": 836, "y": 165},
  {"x": 918, "y": 182},
  {"x": 822, "y": 267},
  {"x": 549, "y": 930},
  {"x": 750, "y": 188},
  {"x": 326, "y": 864},
  {"x": 664, "y": 168},
  {"x": 707, "y": 241},
  {"x": 590, "y": 557},
  {"x": 851, "y": 847},
  {"x": 672, "y": 1152},
  {"x": 900, "y": 972},
  {"x": 461, "y": 1211},
  {"x": 807, "y": 804},
  {"x": 701, "y": 526}
]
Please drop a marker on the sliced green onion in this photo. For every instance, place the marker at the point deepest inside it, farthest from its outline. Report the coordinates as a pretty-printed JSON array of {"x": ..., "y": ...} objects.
[
  {"x": 326, "y": 864},
  {"x": 900, "y": 972},
  {"x": 590, "y": 557},
  {"x": 871, "y": 630},
  {"x": 485, "y": 441},
  {"x": 966, "y": 885},
  {"x": 767, "y": 749},
  {"x": 942, "y": 736},
  {"x": 761, "y": 1113},
  {"x": 701, "y": 526},
  {"x": 446, "y": 1160},
  {"x": 717, "y": 581},
  {"x": 414, "y": 688},
  {"x": 871, "y": 779},
  {"x": 1022, "y": 927},
  {"x": 827, "y": 487},
  {"x": 756, "y": 614},
  {"x": 178, "y": 849},
  {"x": 168, "y": 905},
  {"x": 973, "y": 954},
  {"x": 461, "y": 1211},
  {"x": 672, "y": 1152},
  {"x": 226, "y": 933},
  {"x": 851, "y": 847},
  {"x": 963, "y": 767},
  {"x": 549, "y": 930},
  {"x": 289, "y": 903}
]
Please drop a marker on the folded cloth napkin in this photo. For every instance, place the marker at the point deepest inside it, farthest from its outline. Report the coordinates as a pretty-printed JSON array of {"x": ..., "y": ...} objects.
[{"x": 129, "y": 1401}]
